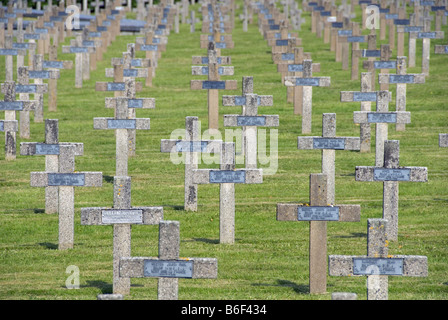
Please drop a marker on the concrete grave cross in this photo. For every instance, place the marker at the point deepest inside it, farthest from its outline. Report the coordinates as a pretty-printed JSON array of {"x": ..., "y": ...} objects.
[
  {"x": 384, "y": 65},
  {"x": 9, "y": 53},
  {"x": 168, "y": 267},
  {"x": 426, "y": 36},
  {"x": 54, "y": 64},
  {"x": 318, "y": 213},
  {"x": 81, "y": 53},
  {"x": 66, "y": 179},
  {"x": 10, "y": 105},
  {"x": 249, "y": 119},
  {"x": 329, "y": 143},
  {"x": 190, "y": 146},
  {"x": 401, "y": 79},
  {"x": 221, "y": 41},
  {"x": 308, "y": 82},
  {"x": 226, "y": 176},
  {"x": 21, "y": 44},
  {"x": 381, "y": 118},
  {"x": 391, "y": 173},
  {"x": 89, "y": 58},
  {"x": 153, "y": 52},
  {"x": 122, "y": 123},
  {"x": 371, "y": 53},
  {"x": 50, "y": 148},
  {"x": 443, "y": 140},
  {"x": 378, "y": 265},
  {"x": 121, "y": 216},
  {"x": 213, "y": 85},
  {"x": 441, "y": 49}
]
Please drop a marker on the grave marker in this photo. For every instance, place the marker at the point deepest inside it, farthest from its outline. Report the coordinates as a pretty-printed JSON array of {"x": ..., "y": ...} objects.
[
  {"x": 318, "y": 213},
  {"x": 443, "y": 140},
  {"x": 10, "y": 53},
  {"x": 226, "y": 177},
  {"x": 378, "y": 265},
  {"x": 308, "y": 82},
  {"x": 390, "y": 173},
  {"x": 426, "y": 36},
  {"x": 66, "y": 179},
  {"x": 168, "y": 266},
  {"x": 81, "y": 53},
  {"x": 328, "y": 143}
]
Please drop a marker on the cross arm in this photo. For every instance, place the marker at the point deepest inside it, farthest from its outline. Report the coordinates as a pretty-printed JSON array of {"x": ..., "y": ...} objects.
[
  {"x": 357, "y": 96},
  {"x": 27, "y": 88},
  {"x": 411, "y": 174},
  {"x": 133, "y": 72},
  {"x": 65, "y": 64},
  {"x": 204, "y": 60},
  {"x": 202, "y": 70},
  {"x": 112, "y": 123},
  {"x": 79, "y": 179},
  {"x": 203, "y": 268},
  {"x": 116, "y": 86},
  {"x": 207, "y": 85},
  {"x": 405, "y": 78},
  {"x": 139, "y": 63},
  {"x": 235, "y": 120},
  {"x": 36, "y": 148},
  {"x": 9, "y": 125},
  {"x": 109, "y": 216},
  {"x": 285, "y": 67},
  {"x": 289, "y": 212},
  {"x": 381, "y": 117},
  {"x": 206, "y": 176},
  {"x": 314, "y": 82},
  {"x": 206, "y": 146},
  {"x": 336, "y": 143},
  {"x": 138, "y": 103},
  {"x": 413, "y": 266},
  {"x": 231, "y": 101}
]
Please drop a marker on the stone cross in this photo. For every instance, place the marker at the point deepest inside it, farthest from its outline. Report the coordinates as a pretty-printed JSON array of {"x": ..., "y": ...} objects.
[
  {"x": 249, "y": 119},
  {"x": 9, "y": 53},
  {"x": 355, "y": 40},
  {"x": 329, "y": 143},
  {"x": 10, "y": 126},
  {"x": 153, "y": 52},
  {"x": 168, "y": 266},
  {"x": 390, "y": 173},
  {"x": 81, "y": 53},
  {"x": 318, "y": 212},
  {"x": 384, "y": 65},
  {"x": 122, "y": 216},
  {"x": 443, "y": 140},
  {"x": 226, "y": 177},
  {"x": 366, "y": 96},
  {"x": 212, "y": 85},
  {"x": 401, "y": 79},
  {"x": 381, "y": 118},
  {"x": 190, "y": 146},
  {"x": 426, "y": 36},
  {"x": 377, "y": 265},
  {"x": 221, "y": 41},
  {"x": 122, "y": 123},
  {"x": 308, "y": 82},
  {"x": 10, "y": 105},
  {"x": 50, "y": 148},
  {"x": 66, "y": 180},
  {"x": 54, "y": 64},
  {"x": 371, "y": 53},
  {"x": 441, "y": 49}
]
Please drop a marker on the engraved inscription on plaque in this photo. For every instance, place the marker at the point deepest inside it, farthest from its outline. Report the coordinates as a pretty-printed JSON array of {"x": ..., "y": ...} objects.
[
  {"x": 47, "y": 149},
  {"x": 329, "y": 143},
  {"x": 31, "y": 36},
  {"x": 79, "y": 50},
  {"x": 391, "y": 16},
  {"x": 121, "y": 124},
  {"x": 318, "y": 213},
  {"x": 364, "y": 96},
  {"x": 401, "y": 22},
  {"x": 378, "y": 266},
  {"x": 397, "y": 78},
  {"x": 115, "y": 86},
  {"x": 371, "y": 53},
  {"x": 39, "y": 74},
  {"x": 53, "y": 64},
  {"x": 213, "y": 85},
  {"x": 281, "y": 43},
  {"x": 88, "y": 43},
  {"x": 250, "y": 121},
  {"x": 66, "y": 179},
  {"x": 130, "y": 73},
  {"x": 148, "y": 47},
  {"x": 356, "y": 39},
  {"x": 412, "y": 29},
  {"x": 337, "y": 24},
  {"x": 386, "y": 174},
  {"x": 136, "y": 63},
  {"x": 135, "y": 103},
  {"x": 295, "y": 68},
  {"x": 95, "y": 34},
  {"x": 26, "y": 88},
  {"x": 385, "y": 64},
  {"x": 345, "y": 32},
  {"x": 287, "y": 56},
  {"x": 122, "y": 216},
  {"x": 168, "y": 269},
  {"x": 227, "y": 176},
  {"x": 430, "y": 35},
  {"x": 191, "y": 146},
  {"x": 220, "y": 45},
  {"x": 307, "y": 82},
  {"x": 378, "y": 117},
  {"x": 11, "y": 105},
  {"x": 25, "y": 45}
]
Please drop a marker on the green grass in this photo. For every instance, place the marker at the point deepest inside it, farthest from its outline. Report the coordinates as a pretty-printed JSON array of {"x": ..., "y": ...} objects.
[{"x": 269, "y": 259}]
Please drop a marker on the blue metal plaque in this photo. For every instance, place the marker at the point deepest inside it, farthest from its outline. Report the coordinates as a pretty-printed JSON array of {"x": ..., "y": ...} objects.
[
  {"x": 79, "y": 50},
  {"x": 121, "y": 123},
  {"x": 2, "y": 126},
  {"x": 136, "y": 63},
  {"x": 47, "y": 149},
  {"x": 295, "y": 67},
  {"x": 168, "y": 268},
  {"x": 39, "y": 74},
  {"x": 135, "y": 103},
  {"x": 274, "y": 27},
  {"x": 130, "y": 73},
  {"x": 412, "y": 29},
  {"x": 371, "y": 53},
  {"x": 378, "y": 266},
  {"x": 220, "y": 45},
  {"x": 11, "y": 105},
  {"x": 287, "y": 56},
  {"x": 31, "y": 36},
  {"x": 385, "y": 64},
  {"x": 356, "y": 39},
  {"x": 401, "y": 22},
  {"x": 115, "y": 86},
  {"x": 379, "y": 117},
  {"x": 325, "y": 13},
  {"x": 213, "y": 85},
  {"x": 66, "y": 179},
  {"x": 364, "y": 96},
  {"x": 8, "y": 52},
  {"x": 427, "y": 35},
  {"x": 281, "y": 43},
  {"x": 88, "y": 43},
  {"x": 384, "y": 10},
  {"x": 191, "y": 146},
  {"x": 337, "y": 24},
  {"x": 41, "y": 30},
  {"x": 101, "y": 29},
  {"x": 95, "y": 34},
  {"x": 329, "y": 143},
  {"x": 307, "y": 82},
  {"x": 25, "y": 45},
  {"x": 250, "y": 121},
  {"x": 48, "y": 24},
  {"x": 53, "y": 64},
  {"x": 386, "y": 174},
  {"x": 26, "y": 88},
  {"x": 345, "y": 32},
  {"x": 390, "y": 16},
  {"x": 397, "y": 78},
  {"x": 227, "y": 176},
  {"x": 318, "y": 213},
  {"x": 115, "y": 216},
  {"x": 148, "y": 47}
]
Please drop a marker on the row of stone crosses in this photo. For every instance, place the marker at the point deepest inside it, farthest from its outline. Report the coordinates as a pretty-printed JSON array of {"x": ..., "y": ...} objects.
[{"x": 296, "y": 68}]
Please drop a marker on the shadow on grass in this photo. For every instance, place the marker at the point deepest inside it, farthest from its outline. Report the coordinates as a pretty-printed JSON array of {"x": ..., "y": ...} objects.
[
  {"x": 49, "y": 245},
  {"x": 353, "y": 235},
  {"x": 211, "y": 241},
  {"x": 108, "y": 179},
  {"x": 105, "y": 287},
  {"x": 298, "y": 288},
  {"x": 37, "y": 210},
  {"x": 177, "y": 208}
]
